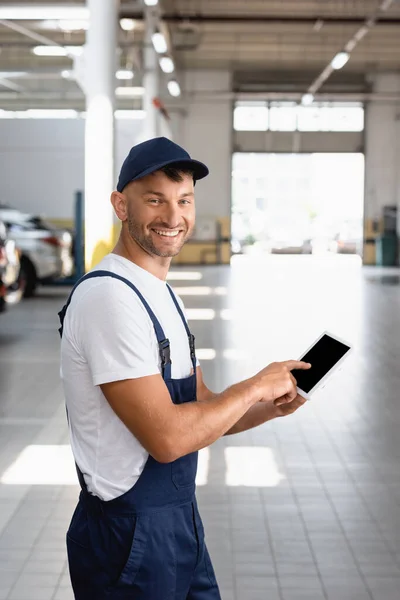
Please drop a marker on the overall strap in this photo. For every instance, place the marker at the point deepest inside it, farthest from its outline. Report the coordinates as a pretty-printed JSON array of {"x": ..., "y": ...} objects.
[
  {"x": 163, "y": 342},
  {"x": 190, "y": 335}
]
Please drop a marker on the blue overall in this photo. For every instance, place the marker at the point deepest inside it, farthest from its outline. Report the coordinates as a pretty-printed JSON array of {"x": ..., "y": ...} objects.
[{"x": 147, "y": 544}]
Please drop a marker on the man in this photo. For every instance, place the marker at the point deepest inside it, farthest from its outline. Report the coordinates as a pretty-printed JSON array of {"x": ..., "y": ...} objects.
[{"x": 137, "y": 404}]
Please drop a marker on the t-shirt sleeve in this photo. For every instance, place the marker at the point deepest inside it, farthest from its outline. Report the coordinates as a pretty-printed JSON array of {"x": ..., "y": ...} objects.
[{"x": 115, "y": 334}]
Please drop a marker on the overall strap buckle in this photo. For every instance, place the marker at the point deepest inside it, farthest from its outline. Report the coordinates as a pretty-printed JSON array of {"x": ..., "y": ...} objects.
[
  {"x": 165, "y": 352},
  {"x": 61, "y": 316},
  {"x": 192, "y": 347}
]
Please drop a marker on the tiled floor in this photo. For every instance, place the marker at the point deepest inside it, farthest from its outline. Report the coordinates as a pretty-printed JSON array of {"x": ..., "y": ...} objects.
[{"x": 303, "y": 508}]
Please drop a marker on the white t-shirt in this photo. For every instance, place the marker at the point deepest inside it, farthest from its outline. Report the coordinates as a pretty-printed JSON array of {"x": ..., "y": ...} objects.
[{"x": 109, "y": 336}]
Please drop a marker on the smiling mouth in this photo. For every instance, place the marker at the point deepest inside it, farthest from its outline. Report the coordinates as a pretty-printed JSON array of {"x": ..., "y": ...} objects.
[{"x": 169, "y": 234}]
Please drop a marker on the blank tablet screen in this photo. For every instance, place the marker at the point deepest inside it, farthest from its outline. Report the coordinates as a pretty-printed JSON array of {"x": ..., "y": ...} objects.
[{"x": 323, "y": 356}]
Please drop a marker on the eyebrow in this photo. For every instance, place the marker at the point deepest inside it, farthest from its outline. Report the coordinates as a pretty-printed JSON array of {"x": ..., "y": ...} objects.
[{"x": 161, "y": 195}]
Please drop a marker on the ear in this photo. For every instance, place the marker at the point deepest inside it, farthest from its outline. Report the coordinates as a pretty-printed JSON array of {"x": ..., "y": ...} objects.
[{"x": 119, "y": 202}]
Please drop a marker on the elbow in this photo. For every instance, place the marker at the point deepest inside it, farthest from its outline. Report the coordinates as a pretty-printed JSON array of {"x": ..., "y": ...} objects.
[{"x": 166, "y": 452}]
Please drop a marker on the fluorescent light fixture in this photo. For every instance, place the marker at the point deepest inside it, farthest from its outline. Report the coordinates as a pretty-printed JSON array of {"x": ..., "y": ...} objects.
[
  {"x": 307, "y": 99},
  {"x": 49, "y": 51},
  {"x": 184, "y": 276},
  {"x": 129, "y": 91},
  {"x": 159, "y": 42},
  {"x": 12, "y": 74},
  {"x": 42, "y": 13},
  {"x": 205, "y": 353},
  {"x": 151, "y": 2},
  {"x": 340, "y": 60},
  {"x": 74, "y": 50},
  {"x": 200, "y": 314},
  {"x": 174, "y": 88},
  {"x": 44, "y": 113},
  {"x": 7, "y": 114},
  {"x": 124, "y": 74},
  {"x": 69, "y": 25},
  {"x": 130, "y": 114},
  {"x": 167, "y": 64},
  {"x": 127, "y": 24}
]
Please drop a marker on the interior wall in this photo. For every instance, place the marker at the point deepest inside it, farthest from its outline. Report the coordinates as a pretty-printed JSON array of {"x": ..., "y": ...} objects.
[
  {"x": 298, "y": 141},
  {"x": 42, "y": 162}
]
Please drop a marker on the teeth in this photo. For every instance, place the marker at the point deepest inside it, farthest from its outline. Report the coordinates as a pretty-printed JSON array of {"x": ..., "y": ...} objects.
[{"x": 167, "y": 233}]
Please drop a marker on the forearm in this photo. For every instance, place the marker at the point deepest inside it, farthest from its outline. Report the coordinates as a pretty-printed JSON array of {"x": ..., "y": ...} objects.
[
  {"x": 256, "y": 415},
  {"x": 199, "y": 424}
]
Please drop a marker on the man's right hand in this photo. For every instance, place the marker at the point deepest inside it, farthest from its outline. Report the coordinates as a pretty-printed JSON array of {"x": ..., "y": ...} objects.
[{"x": 276, "y": 381}]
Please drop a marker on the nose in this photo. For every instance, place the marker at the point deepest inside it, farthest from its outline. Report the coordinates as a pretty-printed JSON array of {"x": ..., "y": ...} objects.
[{"x": 171, "y": 215}]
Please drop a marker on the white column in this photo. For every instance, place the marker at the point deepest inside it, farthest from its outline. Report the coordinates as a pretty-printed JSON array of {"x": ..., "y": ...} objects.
[
  {"x": 151, "y": 78},
  {"x": 99, "y": 86},
  {"x": 382, "y": 147}
]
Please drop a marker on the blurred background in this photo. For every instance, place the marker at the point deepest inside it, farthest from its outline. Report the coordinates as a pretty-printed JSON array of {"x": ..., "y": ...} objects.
[{"x": 295, "y": 107}]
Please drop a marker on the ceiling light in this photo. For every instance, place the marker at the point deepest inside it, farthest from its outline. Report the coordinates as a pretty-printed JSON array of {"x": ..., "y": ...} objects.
[
  {"x": 340, "y": 60},
  {"x": 127, "y": 24},
  {"x": 130, "y": 114},
  {"x": 159, "y": 43},
  {"x": 74, "y": 50},
  {"x": 42, "y": 13},
  {"x": 174, "y": 88},
  {"x": 66, "y": 74},
  {"x": 129, "y": 91},
  {"x": 12, "y": 74},
  {"x": 49, "y": 51},
  {"x": 53, "y": 113},
  {"x": 318, "y": 25},
  {"x": 151, "y": 2},
  {"x": 307, "y": 99},
  {"x": 68, "y": 25},
  {"x": 124, "y": 74},
  {"x": 167, "y": 64}
]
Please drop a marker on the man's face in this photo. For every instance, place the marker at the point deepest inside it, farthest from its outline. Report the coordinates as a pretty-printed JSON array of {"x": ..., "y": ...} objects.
[{"x": 161, "y": 213}]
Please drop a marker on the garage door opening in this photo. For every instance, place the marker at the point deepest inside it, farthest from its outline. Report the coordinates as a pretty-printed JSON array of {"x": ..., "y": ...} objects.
[{"x": 297, "y": 203}]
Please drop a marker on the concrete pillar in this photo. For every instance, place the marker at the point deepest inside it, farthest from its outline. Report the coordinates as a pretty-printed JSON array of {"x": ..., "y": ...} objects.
[
  {"x": 204, "y": 129},
  {"x": 151, "y": 78},
  {"x": 99, "y": 86},
  {"x": 382, "y": 153},
  {"x": 202, "y": 123}
]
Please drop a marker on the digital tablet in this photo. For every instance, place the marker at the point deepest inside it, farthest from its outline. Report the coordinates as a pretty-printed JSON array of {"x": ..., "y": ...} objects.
[{"x": 325, "y": 355}]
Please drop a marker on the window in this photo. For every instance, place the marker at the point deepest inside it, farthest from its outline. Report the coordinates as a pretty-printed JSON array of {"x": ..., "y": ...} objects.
[
  {"x": 250, "y": 116},
  {"x": 283, "y": 116},
  {"x": 331, "y": 117},
  {"x": 291, "y": 116}
]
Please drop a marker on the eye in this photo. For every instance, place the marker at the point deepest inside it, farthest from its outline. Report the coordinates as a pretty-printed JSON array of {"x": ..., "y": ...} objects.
[
  {"x": 154, "y": 200},
  {"x": 184, "y": 201}
]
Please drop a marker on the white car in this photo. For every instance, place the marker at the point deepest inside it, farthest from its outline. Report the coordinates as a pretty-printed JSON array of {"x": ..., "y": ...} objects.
[
  {"x": 11, "y": 285},
  {"x": 46, "y": 252}
]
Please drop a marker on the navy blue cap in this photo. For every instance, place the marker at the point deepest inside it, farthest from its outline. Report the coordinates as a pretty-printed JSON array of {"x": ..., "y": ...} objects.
[{"x": 154, "y": 154}]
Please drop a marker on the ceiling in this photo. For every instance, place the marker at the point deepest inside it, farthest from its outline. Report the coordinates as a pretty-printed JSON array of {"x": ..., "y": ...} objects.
[{"x": 269, "y": 45}]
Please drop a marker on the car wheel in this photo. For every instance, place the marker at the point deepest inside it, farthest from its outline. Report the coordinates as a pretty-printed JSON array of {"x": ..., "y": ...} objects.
[
  {"x": 2, "y": 303},
  {"x": 28, "y": 277}
]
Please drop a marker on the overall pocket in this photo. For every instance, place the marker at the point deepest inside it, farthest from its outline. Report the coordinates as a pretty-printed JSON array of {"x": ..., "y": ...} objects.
[{"x": 129, "y": 556}]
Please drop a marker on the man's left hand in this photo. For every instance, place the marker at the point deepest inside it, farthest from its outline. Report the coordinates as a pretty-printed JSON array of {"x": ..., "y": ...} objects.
[{"x": 289, "y": 408}]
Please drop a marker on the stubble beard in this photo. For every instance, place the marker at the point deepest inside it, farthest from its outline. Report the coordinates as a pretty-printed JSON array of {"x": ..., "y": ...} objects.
[{"x": 145, "y": 241}]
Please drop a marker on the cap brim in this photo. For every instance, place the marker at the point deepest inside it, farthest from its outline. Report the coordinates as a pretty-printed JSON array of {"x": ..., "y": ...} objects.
[{"x": 199, "y": 169}]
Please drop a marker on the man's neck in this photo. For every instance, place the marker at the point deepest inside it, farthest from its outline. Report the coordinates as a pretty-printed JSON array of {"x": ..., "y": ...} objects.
[{"x": 156, "y": 265}]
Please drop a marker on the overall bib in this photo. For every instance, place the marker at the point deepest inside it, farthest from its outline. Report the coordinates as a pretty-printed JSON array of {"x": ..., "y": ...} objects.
[{"x": 147, "y": 544}]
